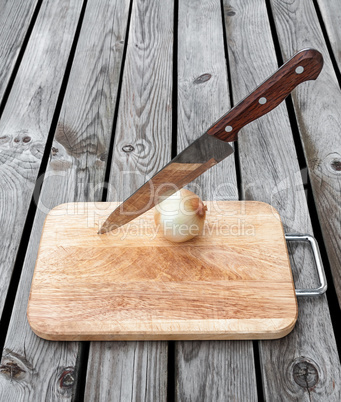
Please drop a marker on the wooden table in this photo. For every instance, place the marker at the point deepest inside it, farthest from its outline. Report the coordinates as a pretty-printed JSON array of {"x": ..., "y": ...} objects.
[{"x": 92, "y": 89}]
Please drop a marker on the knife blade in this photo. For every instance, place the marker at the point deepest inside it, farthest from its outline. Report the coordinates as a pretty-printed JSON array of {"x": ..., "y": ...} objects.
[{"x": 213, "y": 146}]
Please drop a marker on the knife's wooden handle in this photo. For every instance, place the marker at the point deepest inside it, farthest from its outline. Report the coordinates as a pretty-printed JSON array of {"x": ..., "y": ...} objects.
[{"x": 305, "y": 65}]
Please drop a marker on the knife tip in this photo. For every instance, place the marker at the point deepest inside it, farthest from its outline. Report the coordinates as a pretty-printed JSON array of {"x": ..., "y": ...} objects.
[
  {"x": 107, "y": 227},
  {"x": 102, "y": 230}
]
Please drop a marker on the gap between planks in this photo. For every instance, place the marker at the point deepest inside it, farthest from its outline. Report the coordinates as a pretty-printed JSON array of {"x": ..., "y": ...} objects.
[
  {"x": 48, "y": 377},
  {"x": 30, "y": 216}
]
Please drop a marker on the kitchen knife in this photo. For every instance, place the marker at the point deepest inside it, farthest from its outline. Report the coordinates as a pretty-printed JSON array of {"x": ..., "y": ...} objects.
[{"x": 212, "y": 147}]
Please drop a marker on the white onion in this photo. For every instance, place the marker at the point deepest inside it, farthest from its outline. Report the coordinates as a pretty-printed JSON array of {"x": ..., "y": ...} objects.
[{"x": 180, "y": 216}]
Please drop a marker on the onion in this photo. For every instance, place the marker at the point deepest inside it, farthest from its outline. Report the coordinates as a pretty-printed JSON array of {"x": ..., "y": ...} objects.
[{"x": 180, "y": 216}]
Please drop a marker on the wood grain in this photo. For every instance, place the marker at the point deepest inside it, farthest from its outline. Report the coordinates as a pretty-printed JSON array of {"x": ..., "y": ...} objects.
[
  {"x": 215, "y": 370},
  {"x": 26, "y": 121},
  {"x": 142, "y": 146},
  {"x": 270, "y": 172},
  {"x": 135, "y": 363},
  {"x": 15, "y": 18},
  {"x": 33, "y": 368},
  {"x": 233, "y": 282},
  {"x": 318, "y": 113},
  {"x": 203, "y": 96},
  {"x": 144, "y": 127},
  {"x": 206, "y": 370},
  {"x": 331, "y": 14}
]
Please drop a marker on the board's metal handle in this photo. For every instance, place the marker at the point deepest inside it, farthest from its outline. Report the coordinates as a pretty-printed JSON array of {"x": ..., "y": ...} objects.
[{"x": 318, "y": 262}]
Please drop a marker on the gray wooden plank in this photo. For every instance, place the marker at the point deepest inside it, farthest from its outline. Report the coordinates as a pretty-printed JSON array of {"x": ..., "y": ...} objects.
[
  {"x": 270, "y": 173},
  {"x": 215, "y": 371},
  {"x": 331, "y": 14},
  {"x": 15, "y": 19},
  {"x": 203, "y": 94},
  {"x": 128, "y": 371},
  {"x": 26, "y": 121},
  {"x": 33, "y": 369},
  {"x": 142, "y": 146},
  {"x": 318, "y": 112},
  {"x": 143, "y": 134},
  {"x": 212, "y": 370}
]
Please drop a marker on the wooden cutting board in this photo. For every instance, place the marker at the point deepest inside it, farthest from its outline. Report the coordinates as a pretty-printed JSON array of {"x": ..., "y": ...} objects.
[{"x": 233, "y": 282}]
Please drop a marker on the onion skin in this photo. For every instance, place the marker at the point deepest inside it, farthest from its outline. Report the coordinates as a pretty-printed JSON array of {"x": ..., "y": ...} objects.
[{"x": 181, "y": 217}]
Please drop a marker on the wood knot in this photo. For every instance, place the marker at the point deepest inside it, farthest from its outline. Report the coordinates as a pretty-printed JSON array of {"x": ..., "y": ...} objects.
[
  {"x": 128, "y": 148},
  {"x": 54, "y": 151},
  {"x": 202, "y": 78},
  {"x": 4, "y": 139},
  {"x": 103, "y": 157},
  {"x": 15, "y": 366},
  {"x": 336, "y": 165},
  {"x": 229, "y": 11},
  {"x": 305, "y": 373},
  {"x": 12, "y": 370},
  {"x": 332, "y": 162},
  {"x": 24, "y": 139},
  {"x": 67, "y": 378}
]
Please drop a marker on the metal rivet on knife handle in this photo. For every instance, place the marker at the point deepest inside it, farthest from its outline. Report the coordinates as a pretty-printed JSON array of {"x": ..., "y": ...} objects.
[
  {"x": 213, "y": 146},
  {"x": 305, "y": 65}
]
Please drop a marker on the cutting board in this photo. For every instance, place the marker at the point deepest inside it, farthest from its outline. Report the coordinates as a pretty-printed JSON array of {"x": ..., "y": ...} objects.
[{"x": 233, "y": 282}]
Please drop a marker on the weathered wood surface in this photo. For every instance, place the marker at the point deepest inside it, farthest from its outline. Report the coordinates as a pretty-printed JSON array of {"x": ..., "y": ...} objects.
[
  {"x": 33, "y": 369},
  {"x": 130, "y": 371},
  {"x": 26, "y": 121},
  {"x": 270, "y": 172},
  {"x": 203, "y": 97},
  {"x": 142, "y": 146},
  {"x": 318, "y": 112},
  {"x": 15, "y": 18},
  {"x": 215, "y": 371},
  {"x": 331, "y": 15}
]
